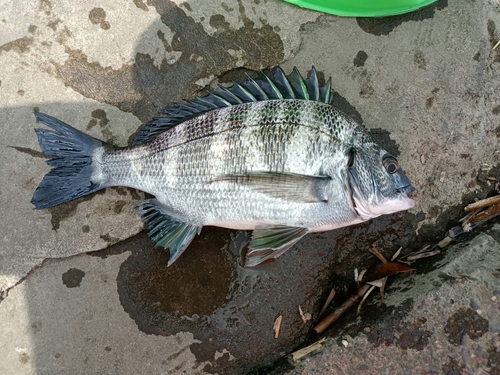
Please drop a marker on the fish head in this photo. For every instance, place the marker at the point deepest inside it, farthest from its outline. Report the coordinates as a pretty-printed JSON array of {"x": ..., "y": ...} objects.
[{"x": 378, "y": 184}]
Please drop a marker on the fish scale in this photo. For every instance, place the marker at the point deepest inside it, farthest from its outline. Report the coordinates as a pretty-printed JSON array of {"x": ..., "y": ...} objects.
[{"x": 270, "y": 155}]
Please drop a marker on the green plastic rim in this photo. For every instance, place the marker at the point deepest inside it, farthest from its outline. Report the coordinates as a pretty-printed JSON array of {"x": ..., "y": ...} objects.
[{"x": 362, "y": 8}]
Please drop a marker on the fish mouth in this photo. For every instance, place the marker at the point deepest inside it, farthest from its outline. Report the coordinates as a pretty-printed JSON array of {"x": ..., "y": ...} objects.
[
  {"x": 408, "y": 190},
  {"x": 368, "y": 210}
]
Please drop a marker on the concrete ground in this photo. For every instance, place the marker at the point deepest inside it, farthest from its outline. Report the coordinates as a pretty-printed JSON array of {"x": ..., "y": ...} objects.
[{"x": 81, "y": 292}]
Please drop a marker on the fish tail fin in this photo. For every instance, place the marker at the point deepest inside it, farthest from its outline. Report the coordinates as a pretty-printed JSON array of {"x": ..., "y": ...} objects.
[{"x": 72, "y": 153}]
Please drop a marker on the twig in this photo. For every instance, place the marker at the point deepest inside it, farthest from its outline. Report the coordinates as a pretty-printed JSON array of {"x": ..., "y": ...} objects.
[
  {"x": 277, "y": 326},
  {"x": 332, "y": 317},
  {"x": 375, "y": 252},
  {"x": 358, "y": 310},
  {"x": 483, "y": 203},
  {"x": 308, "y": 349},
  {"x": 396, "y": 254},
  {"x": 328, "y": 301}
]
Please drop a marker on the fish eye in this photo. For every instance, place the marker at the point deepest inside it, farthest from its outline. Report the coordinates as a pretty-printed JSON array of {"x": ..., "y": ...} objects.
[{"x": 391, "y": 164}]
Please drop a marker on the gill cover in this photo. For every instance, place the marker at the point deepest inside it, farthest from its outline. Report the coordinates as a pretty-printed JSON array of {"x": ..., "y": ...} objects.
[{"x": 378, "y": 184}]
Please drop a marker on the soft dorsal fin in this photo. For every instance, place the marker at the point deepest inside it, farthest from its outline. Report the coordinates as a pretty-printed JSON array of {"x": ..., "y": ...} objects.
[{"x": 264, "y": 87}]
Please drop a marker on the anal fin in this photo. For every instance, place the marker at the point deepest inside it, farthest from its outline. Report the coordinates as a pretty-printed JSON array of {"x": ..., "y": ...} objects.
[
  {"x": 166, "y": 231},
  {"x": 271, "y": 242}
]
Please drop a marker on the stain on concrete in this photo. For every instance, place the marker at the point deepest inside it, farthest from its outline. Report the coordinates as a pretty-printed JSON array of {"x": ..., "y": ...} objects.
[
  {"x": 24, "y": 358},
  {"x": 36, "y": 326},
  {"x": 496, "y": 110},
  {"x": 419, "y": 60},
  {"x": 465, "y": 321},
  {"x": 141, "y": 5},
  {"x": 123, "y": 191},
  {"x": 85, "y": 229},
  {"x": 161, "y": 289},
  {"x": 494, "y": 360},
  {"x": 21, "y": 45},
  {"x": 64, "y": 211},
  {"x": 100, "y": 118},
  {"x": 366, "y": 87},
  {"x": 143, "y": 88},
  {"x": 491, "y": 28},
  {"x": 395, "y": 330},
  {"x": 238, "y": 305},
  {"x": 385, "y": 25},
  {"x": 29, "y": 151},
  {"x": 98, "y": 17},
  {"x": 73, "y": 277},
  {"x": 54, "y": 24},
  {"x": 109, "y": 239},
  {"x": 118, "y": 206},
  {"x": 360, "y": 59},
  {"x": 452, "y": 367},
  {"x": 20, "y": 92},
  {"x": 32, "y": 29}
]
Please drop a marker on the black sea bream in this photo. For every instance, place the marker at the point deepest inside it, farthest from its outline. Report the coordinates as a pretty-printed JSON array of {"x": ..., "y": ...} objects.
[{"x": 270, "y": 155}]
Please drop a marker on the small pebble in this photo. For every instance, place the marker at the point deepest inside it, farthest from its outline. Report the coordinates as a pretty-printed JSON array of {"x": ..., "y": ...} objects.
[
  {"x": 474, "y": 304},
  {"x": 344, "y": 342}
]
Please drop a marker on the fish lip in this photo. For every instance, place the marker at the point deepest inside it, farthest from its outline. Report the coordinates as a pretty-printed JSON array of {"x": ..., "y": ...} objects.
[{"x": 408, "y": 190}]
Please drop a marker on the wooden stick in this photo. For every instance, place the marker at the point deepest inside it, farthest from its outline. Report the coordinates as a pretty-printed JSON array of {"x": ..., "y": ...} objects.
[
  {"x": 331, "y": 318},
  {"x": 308, "y": 349},
  {"x": 483, "y": 203}
]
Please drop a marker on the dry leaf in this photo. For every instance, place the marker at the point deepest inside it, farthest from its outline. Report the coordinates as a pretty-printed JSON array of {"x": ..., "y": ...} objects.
[{"x": 381, "y": 270}]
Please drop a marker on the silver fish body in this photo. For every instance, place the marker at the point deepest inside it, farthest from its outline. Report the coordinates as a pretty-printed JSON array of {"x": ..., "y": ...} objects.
[{"x": 282, "y": 167}]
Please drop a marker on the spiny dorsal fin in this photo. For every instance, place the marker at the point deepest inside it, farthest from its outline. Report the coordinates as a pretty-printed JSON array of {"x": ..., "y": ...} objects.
[{"x": 262, "y": 88}]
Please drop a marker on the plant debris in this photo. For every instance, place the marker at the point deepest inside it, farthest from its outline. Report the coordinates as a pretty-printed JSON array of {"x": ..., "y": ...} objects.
[
  {"x": 277, "y": 326},
  {"x": 305, "y": 317},
  {"x": 332, "y": 317},
  {"x": 308, "y": 349},
  {"x": 328, "y": 301},
  {"x": 382, "y": 270},
  {"x": 376, "y": 276}
]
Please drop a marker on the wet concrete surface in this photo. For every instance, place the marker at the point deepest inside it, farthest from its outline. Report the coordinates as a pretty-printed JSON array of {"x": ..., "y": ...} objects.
[
  {"x": 231, "y": 309},
  {"x": 426, "y": 86}
]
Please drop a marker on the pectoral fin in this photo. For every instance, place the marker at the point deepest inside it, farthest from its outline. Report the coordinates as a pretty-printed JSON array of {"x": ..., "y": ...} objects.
[
  {"x": 288, "y": 186},
  {"x": 270, "y": 242},
  {"x": 166, "y": 231}
]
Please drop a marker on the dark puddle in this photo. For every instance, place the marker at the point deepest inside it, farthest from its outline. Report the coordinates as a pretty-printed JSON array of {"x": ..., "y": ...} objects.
[{"x": 231, "y": 309}]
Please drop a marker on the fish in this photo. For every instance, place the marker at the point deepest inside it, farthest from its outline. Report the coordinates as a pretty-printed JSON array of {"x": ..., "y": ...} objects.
[{"x": 271, "y": 155}]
